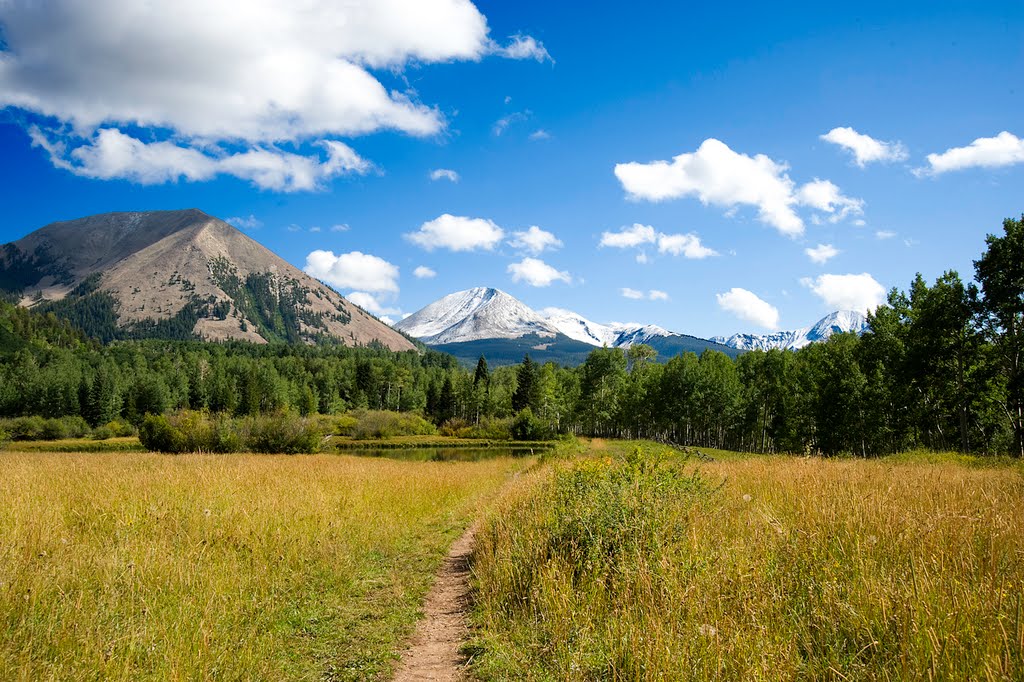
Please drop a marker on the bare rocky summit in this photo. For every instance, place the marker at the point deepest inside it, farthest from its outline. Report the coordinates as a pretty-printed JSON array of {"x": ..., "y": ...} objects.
[{"x": 178, "y": 274}]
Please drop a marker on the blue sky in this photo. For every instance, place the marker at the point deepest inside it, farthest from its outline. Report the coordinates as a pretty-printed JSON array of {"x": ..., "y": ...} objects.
[{"x": 334, "y": 121}]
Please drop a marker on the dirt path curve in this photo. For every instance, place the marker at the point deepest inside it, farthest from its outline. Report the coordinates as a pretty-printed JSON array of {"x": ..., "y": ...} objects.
[{"x": 433, "y": 653}]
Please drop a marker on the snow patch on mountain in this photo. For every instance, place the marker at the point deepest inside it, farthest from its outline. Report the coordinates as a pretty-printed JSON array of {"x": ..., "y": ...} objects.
[
  {"x": 833, "y": 323},
  {"x": 577, "y": 327}
]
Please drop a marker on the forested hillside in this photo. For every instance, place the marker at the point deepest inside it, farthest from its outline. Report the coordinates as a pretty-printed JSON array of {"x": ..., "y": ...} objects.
[{"x": 939, "y": 368}]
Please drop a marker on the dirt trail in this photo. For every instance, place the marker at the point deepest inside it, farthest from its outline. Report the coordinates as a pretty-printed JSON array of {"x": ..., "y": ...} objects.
[{"x": 433, "y": 653}]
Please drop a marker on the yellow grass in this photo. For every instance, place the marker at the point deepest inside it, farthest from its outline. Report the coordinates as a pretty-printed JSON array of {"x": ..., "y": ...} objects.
[
  {"x": 775, "y": 568},
  {"x": 140, "y": 566}
]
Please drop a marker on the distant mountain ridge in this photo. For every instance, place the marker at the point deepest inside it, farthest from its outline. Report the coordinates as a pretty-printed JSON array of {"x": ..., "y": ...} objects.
[
  {"x": 178, "y": 274},
  {"x": 488, "y": 321},
  {"x": 833, "y": 323}
]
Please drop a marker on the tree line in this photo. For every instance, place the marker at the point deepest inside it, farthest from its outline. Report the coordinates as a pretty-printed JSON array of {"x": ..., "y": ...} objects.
[{"x": 939, "y": 368}]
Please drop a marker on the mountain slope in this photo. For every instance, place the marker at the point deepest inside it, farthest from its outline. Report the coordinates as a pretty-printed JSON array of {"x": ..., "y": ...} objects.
[
  {"x": 178, "y": 274},
  {"x": 833, "y": 323}
]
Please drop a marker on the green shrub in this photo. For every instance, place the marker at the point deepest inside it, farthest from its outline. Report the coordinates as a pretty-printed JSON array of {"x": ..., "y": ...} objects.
[
  {"x": 27, "y": 428},
  {"x": 53, "y": 429},
  {"x": 282, "y": 432},
  {"x": 525, "y": 426},
  {"x": 384, "y": 424},
  {"x": 75, "y": 427},
  {"x": 102, "y": 433},
  {"x": 120, "y": 428},
  {"x": 158, "y": 434},
  {"x": 335, "y": 424},
  {"x": 454, "y": 427},
  {"x": 488, "y": 428}
]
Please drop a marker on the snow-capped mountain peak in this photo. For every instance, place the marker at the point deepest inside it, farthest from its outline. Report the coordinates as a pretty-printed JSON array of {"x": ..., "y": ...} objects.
[
  {"x": 473, "y": 314},
  {"x": 833, "y": 323}
]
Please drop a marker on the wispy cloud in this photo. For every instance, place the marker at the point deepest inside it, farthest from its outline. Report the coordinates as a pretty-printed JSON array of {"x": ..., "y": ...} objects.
[
  {"x": 444, "y": 174},
  {"x": 822, "y": 253},
  {"x": 249, "y": 222}
]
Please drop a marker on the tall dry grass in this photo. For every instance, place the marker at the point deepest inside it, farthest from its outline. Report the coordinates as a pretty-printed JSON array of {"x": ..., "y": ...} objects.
[
  {"x": 768, "y": 569},
  {"x": 141, "y": 566}
]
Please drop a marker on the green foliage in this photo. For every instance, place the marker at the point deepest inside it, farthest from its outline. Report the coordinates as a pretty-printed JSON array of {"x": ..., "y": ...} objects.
[
  {"x": 525, "y": 426},
  {"x": 281, "y": 432},
  {"x": 1000, "y": 271},
  {"x": 605, "y": 511},
  {"x": 191, "y": 431},
  {"x": 385, "y": 424},
  {"x": 527, "y": 393},
  {"x": 488, "y": 428}
]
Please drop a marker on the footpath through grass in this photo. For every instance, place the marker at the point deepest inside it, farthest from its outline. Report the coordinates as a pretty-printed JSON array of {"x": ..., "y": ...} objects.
[
  {"x": 139, "y": 566},
  {"x": 646, "y": 566}
]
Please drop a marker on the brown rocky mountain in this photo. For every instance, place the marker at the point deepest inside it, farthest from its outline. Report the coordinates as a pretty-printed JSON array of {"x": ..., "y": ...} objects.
[{"x": 178, "y": 274}]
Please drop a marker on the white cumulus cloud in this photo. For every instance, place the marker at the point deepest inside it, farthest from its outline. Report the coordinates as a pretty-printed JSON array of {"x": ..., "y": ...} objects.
[
  {"x": 444, "y": 174},
  {"x": 823, "y": 195},
  {"x": 423, "y": 272},
  {"x": 245, "y": 74},
  {"x": 627, "y": 237},
  {"x": 535, "y": 240},
  {"x": 865, "y": 149},
  {"x": 354, "y": 270},
  {"x": 687, "y": 245},
  {"x": 657, "y": 295},
  {"x": 457, "y": 233},
  {"x": 717, "y": 175},
  {"x": 847, "y": 292},
  {"x": 372, "y": 305},
  {"x": 537, "y": 273},
  {"x": 822, "y": 253},
  {"x": 637, "y": 235},
  {"x": 111, "y": 154},
  {"x": 746, "y": 305},
  {"x": 1005, "y": 149}
]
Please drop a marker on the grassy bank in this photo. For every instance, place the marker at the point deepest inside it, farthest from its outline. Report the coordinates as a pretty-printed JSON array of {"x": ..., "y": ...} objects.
[
  {"x": 620, "y": 567},
  {"x": 140, "y": 566}
]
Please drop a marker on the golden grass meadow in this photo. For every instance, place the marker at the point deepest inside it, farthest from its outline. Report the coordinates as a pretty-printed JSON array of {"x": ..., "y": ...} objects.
[
  {"x": 128, "y": 566},
  {"x": 611, "y": 561},
  {"x": 621, "y": 566}
]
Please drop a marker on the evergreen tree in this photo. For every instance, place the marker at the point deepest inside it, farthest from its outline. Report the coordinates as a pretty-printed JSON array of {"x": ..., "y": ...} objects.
[
  {"x": 447, "y": 405},
  {"x": 527, "y": 386}
]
